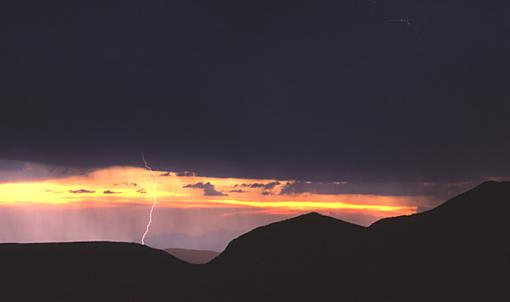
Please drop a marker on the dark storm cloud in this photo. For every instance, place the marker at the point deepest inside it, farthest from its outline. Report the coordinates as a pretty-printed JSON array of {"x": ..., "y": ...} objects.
[
  {"x": 13, "y": 170},
  {"x": 209, "y": 189},
  {"x": 82, "y": 191},
  {"x": 298, "y": 187},
  {"x": 436, "y": 189},
  {"x": 238, "y": 191},
  {"x": 333, "y": 91},
  {"x": 110, "y": 192}
]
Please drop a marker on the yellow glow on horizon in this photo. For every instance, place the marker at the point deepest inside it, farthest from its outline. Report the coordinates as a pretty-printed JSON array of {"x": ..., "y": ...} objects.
[
  {"x": 131, "y": 185},
  {"x": 314, "y": 205}
]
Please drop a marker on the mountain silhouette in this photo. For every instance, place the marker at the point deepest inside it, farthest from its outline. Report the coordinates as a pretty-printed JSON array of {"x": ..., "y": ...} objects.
[
  {"x": 285, "y": 255},
  {"x": 459, "y": 251}
]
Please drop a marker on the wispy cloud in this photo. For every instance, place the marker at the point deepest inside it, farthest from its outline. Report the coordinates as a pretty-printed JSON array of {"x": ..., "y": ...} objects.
[
  {"x": 110, "y": 192},
  {"x": 209, "y": 189},
  {"x": 82, "y": 191},
  {"x": 257, "y": 185}
]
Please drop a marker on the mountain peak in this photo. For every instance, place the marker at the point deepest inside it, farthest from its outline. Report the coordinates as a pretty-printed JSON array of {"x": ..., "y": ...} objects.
[
  {"x": 310, "y": 215},
  {"x": 493, "y": 192},
  {"x": 493, "y": 184},
  {"x": 281, "y": 240},
  {"x": 488, "y": 202},
  {"x": 315, "y": 217}
]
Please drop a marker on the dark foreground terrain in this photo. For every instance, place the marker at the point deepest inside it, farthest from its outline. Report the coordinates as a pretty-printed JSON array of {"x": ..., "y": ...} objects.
[{"x": 459, "y": 251}]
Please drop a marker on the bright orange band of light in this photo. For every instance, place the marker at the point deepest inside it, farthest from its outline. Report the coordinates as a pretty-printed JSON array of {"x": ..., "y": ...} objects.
[{"x": 129, "y": 185}]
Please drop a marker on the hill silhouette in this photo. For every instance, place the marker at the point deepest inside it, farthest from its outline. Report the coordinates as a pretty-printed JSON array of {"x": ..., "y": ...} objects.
[
  {"x": 459, "y": 251},
  {"x": 272, "y": 261},
  {"x": 88, "y": 271}
]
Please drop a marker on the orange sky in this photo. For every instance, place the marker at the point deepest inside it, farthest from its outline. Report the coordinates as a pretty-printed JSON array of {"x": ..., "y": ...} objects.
[
  {"x": 121, "y": 185},
  {"x": 198, "y": 212}
]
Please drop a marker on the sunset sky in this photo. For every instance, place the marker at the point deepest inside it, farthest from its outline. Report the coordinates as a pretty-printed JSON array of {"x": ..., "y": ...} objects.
[
  {"x": 278, "y": 107},
  {"x": 43, "y": 203}
]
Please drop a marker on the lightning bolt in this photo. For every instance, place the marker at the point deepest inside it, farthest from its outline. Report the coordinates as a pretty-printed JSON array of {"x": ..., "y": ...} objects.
[{"x": 154, "y": 198}]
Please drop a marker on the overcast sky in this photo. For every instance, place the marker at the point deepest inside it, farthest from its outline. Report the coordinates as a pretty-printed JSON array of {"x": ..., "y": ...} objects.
[{"x": 321, "y": 90}]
